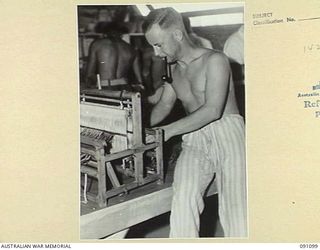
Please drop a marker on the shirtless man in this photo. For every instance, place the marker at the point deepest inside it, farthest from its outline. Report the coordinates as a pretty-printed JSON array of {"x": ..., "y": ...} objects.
[
  {"x": 112, "y": 58},
  {"x": 213, "y": 130}
]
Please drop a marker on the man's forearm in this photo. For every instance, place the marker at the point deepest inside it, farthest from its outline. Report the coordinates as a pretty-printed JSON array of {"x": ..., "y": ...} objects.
[
  {"x": 159, "y": 113},
  {"x": 137, "y": 70},
  {"x": 194, "y": 121}
]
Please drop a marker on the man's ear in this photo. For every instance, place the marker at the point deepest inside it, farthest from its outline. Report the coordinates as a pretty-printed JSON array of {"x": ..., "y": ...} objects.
[{"x": 178, "y": 35}]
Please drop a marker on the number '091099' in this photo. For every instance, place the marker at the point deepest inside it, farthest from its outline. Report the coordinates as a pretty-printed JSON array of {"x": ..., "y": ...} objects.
[{"x": 313, "y": 246}]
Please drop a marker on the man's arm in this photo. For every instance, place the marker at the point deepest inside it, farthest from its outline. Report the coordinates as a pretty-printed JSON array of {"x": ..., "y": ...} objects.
[
  {"x": 91, "y": 66},
  {"x": 137, "y": 68},
  {"x": 216, "y": 94},
  {"x": 146, "y": 69},
  {"x": 157, "y": 70},
  {"x": 155, "y": 98},
  {"x": 163, "y": 107}
]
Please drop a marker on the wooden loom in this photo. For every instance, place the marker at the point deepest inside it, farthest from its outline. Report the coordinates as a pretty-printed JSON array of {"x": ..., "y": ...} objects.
[{"x": 113, "y": 148}]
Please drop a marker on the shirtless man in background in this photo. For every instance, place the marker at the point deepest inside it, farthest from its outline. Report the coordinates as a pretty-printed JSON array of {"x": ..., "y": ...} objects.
[
  {"x": 213, "y": 131},
  {"x": 112, "y": 58}
]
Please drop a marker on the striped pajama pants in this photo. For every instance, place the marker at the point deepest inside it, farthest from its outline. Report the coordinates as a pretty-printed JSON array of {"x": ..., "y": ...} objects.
[{"x": 217, "y": 148}]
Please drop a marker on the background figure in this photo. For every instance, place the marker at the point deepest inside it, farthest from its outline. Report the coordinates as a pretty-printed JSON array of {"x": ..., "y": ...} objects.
[
  {"x": 234, "y": 46},
  {"x": 197, "y": 40},
  {"x": 152, "y": 65},
  {"x": 152, "y": 70},
  {"x": 234, "y": 49},
  {"x": 113, "y": 59}
]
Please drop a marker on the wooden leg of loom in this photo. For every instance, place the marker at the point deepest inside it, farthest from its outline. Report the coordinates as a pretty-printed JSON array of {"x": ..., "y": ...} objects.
[
  {"x": 112, "y": 175},
  {"x": 159, "y": 154},
  {"x": 138, "y": 166},
  {"x": 102, "y": 187}
]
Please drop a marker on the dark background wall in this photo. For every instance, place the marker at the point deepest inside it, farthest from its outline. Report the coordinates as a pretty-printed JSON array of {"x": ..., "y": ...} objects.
[
  {"x": 216, "y": 34},
  {"x": 89, "y": 16}
]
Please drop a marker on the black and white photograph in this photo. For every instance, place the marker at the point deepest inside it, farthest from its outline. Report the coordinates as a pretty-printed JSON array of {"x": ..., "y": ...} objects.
[
  {"x": 162, "y": 121},
  {"x": 131, "y": 124}
]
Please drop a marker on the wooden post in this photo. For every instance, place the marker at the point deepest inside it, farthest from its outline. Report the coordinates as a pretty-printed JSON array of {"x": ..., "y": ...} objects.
[
  {"x": 112, "y": 175},
  {"x": 102, "y": 187},
  {"x": 136, "y": 119},
  {"x": 98, "y": 82},
  {"x": 137, "y": 135},
  {"x": 159, "y": 155},
  {"x": 138, "y": 165}
]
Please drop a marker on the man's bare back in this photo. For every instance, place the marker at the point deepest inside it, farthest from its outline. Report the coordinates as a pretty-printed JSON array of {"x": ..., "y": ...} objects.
[
  {"x": 112, "y": 58},
  {"x": 190, "y": 84}
]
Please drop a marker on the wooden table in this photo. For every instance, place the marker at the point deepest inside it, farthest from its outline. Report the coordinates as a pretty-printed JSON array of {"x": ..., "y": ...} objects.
[{"x": 124, "y": 211}]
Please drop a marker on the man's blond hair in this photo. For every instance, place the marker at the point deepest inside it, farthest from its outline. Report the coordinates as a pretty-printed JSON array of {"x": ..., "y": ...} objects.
[{"x": 165, "y": 17}]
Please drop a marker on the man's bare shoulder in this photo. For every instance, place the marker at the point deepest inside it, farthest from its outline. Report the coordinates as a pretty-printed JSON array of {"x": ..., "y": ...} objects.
[
  {"x": 205, "y": 55},
  {"x": 217, "y": 60},
  {"x": 103, "y": 42},
  {"x": 216, "y": 56}
]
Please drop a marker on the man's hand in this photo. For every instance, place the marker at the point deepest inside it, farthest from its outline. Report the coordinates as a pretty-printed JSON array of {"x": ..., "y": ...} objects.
[
  {"x": 167, "y": 132},
  {"x": 138, "y": 87},
  {"x": 150, "y": 139}
]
